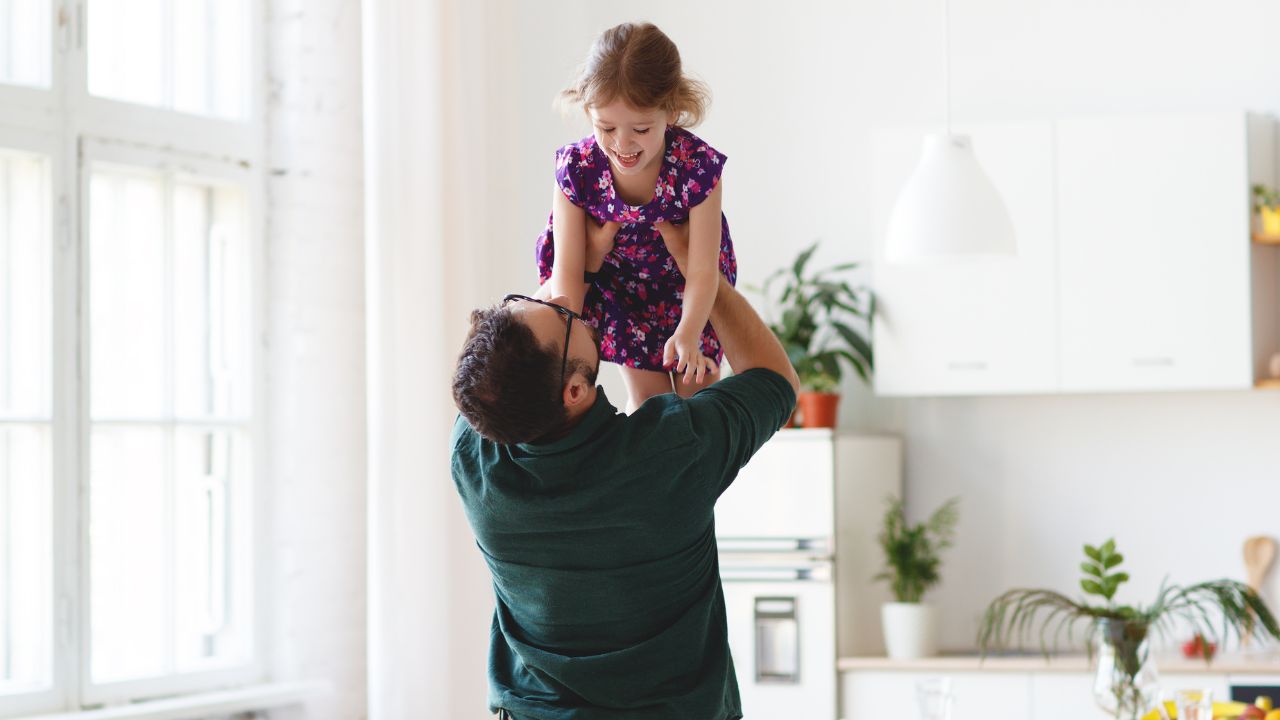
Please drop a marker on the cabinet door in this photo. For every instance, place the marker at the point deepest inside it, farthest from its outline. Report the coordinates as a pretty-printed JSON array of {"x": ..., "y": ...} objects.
[
  {"x": 971, "y": 327},
  {"x": 977, "y": 695},
  {"x": 1153, "y": 223},
  {"x": 1064, "y": 696}
]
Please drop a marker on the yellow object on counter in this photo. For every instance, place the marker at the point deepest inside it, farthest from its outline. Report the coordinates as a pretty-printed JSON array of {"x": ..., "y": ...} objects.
[
  {"x": 1264, "y": 703},
  {"x": 1220, "y": 710},
  {"x": 1270, "y": 221},
  {"x": 1273, "y": 715}
]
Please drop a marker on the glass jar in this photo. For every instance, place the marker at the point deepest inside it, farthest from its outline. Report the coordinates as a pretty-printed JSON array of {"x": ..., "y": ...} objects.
[{"x": 1126, "y": 683}]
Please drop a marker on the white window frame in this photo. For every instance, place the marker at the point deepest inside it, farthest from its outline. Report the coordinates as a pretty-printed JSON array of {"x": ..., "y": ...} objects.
[
  {"x": 62, "y": 407},
  {"x": 173, "y": 166},
  {"x": 75, "y": 129}
]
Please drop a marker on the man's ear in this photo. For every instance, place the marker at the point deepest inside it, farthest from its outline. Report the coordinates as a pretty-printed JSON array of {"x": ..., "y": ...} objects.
[{"x": 576, "y": 392}]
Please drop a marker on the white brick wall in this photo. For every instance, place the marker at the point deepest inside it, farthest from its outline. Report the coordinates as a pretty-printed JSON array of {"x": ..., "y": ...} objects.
[{"x": 316, "y": 366}]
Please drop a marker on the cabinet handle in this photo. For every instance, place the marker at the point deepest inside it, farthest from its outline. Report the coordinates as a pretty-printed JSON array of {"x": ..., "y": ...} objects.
[
  {"x": 1153, "y": 362},
  {"x": 967, "y": 365}
]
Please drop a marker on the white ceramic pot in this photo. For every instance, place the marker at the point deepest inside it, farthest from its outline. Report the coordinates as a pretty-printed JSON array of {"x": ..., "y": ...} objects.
[{"x": 910, "y": 630}]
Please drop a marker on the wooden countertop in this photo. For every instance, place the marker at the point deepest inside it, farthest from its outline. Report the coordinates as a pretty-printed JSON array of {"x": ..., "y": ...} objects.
[{"x": 1231, "y": 664}]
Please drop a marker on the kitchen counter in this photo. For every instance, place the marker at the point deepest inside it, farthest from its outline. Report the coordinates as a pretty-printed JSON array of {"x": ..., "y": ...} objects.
[{"x": 1233, "y": 664}]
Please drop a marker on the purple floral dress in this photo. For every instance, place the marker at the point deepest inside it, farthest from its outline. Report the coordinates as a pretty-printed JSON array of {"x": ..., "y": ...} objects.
[{"x": 635, "y": 303}]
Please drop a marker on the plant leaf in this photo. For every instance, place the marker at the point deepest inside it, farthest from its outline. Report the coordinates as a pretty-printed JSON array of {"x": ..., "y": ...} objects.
[{"x": 797, "y": 269}]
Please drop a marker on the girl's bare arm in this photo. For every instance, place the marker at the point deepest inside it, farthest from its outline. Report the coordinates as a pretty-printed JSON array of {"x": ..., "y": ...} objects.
[
  {"x": 703, "y": 276},
  {"x": 569, "y": 234}
]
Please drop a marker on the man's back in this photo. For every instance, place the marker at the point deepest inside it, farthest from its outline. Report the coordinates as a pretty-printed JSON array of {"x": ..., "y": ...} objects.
[{"x": 602, "y": 549}]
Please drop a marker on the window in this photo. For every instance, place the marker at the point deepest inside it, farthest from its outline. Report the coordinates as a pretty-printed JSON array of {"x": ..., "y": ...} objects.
[
  {"x": 26, "y": 477},
  {"x": 185, "y": 55},
  {"x": 25, "y": 57},
  {"x": 130, "y": 296}
]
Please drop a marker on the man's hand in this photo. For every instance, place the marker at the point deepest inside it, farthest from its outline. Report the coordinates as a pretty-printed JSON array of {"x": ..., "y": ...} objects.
[
  {"x": 600, "y": 242},
  {"x": 676, "y": 238}
]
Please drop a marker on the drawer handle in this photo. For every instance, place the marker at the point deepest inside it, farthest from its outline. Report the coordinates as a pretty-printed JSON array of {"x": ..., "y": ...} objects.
[
  {"x": 967, "y": 366},
  {"x": 1153, "y": 362}
]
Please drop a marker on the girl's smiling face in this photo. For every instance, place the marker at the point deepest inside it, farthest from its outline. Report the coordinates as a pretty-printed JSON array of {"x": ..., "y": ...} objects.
[{"x": 633, "y": 139}]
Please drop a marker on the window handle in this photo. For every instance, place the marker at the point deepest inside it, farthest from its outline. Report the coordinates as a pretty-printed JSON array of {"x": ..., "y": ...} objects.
[{"x": 64, "y": 29}]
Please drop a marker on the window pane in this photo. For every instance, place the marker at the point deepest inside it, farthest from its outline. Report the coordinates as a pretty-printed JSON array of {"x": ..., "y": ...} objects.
[
  {"x": 171, "y": 562},
  {"x": 25, "y": 29},
  {"x": 186, "y": 55},
  {"x": 26, "y": 559},
  {"x": 26, "y": 534},
  {"x": 25, "y": 295},
  {"x": 129, "y": 546},
  {"x": 213, "y": 613},
  {"x": 211, "y": 292},
  {"x": 127, "y": 293},
  {"x": 171, "y": 464}
]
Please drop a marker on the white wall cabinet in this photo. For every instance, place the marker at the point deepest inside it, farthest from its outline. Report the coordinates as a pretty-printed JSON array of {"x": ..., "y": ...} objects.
[
  {"x": 972, "y": 328},
  {"x": 1134, "y": 272},
  {"x": 1153, "y": 221}
]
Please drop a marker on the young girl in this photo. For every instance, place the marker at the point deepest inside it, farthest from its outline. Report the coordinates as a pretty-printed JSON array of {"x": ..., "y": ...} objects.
[{"x": 641, "y": 167}]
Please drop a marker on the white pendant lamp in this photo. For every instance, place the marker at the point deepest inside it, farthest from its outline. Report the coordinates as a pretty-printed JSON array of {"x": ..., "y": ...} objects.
[{"x": 948, "y": 209}]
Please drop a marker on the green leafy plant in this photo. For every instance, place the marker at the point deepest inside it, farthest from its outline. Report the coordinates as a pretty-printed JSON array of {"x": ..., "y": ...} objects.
[
  {"x": 1096, "y": 581},
  {"x": 1264, "y": 196},
  {"x": 911, "y": 552},
  {"x": 1123, "y": 629},
  {"x": 821, "y": 318},
  {"x": 1012, "y": 617}
]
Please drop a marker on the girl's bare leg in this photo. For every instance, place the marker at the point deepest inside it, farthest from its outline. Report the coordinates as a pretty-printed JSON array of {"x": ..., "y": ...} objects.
[
  {"x": 643, "y": 384},
  {"x": 693, "y": 386}
]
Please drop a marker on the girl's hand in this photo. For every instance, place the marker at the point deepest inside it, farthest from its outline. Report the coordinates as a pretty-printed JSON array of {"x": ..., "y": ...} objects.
[
  {"x": 676, "y": 238},
  {"x": 684, "y": 351},
  {"x": 599, "y": 242}
]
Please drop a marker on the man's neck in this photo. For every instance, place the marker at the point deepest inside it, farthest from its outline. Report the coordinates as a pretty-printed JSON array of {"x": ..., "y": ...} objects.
[{"x": 575, "y": 415}]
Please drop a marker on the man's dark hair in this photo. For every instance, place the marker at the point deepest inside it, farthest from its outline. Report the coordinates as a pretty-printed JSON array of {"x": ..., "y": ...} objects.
[{"x": 507, "y": 385}]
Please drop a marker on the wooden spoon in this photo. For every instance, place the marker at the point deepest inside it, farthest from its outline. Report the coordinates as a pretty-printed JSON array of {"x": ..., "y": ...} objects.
[{"x": 1259, "y": 553}]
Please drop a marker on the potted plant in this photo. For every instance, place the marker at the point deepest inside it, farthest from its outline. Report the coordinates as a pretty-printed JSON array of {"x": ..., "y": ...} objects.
[
  {"x": 1125, "y": 682},
  {"x": 1266, "y": 202},
  {"x": 821, "y": 327},
  {"x": 912, "y": 564}
]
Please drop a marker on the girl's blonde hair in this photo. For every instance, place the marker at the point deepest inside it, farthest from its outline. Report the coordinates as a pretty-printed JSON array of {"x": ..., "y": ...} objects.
[{"x": 638, "y": 64}]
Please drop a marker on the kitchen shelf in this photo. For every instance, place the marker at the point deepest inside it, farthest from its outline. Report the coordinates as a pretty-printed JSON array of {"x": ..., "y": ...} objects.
[
  {"x": 1268, "y": 384},
  {"x": 1266, "y": 239},
  {"x": 1232, "y": 664}
]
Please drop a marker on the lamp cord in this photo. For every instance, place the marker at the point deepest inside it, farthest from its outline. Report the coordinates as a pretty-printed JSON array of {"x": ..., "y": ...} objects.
[{"x": 946, "y": 61}]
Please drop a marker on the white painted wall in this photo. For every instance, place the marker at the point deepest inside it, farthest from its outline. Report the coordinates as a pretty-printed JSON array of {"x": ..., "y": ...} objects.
[
  {"x": 1179, "y": 479},
  {"x": 316, "y": 367}
]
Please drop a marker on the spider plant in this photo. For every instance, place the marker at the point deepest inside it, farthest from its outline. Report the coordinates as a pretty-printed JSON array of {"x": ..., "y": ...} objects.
[
  {"x": 1123, "y": 630},
  {"x": 1012, "y": 617}
]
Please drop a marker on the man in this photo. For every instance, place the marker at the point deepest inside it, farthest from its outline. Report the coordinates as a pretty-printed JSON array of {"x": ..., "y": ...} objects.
[{"x": 597, "y": 527}]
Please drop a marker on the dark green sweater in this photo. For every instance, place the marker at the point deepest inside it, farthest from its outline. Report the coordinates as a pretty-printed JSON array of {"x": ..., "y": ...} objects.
[{"x": 603, "y": 554}]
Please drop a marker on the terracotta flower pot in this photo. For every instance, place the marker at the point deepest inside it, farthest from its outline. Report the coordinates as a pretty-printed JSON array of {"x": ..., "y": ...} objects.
[{"x": 818, "y": 410}]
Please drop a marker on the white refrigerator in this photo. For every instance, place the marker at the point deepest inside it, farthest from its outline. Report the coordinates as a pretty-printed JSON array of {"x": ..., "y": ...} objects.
[{"x": 796, "y": 533}]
